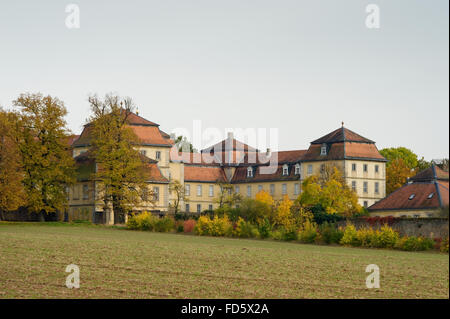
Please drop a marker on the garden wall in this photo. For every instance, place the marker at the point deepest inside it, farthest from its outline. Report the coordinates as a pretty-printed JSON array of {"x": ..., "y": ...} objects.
[
  {"x": 23, "y": 215},
  {"x": 426, "y": 227}
]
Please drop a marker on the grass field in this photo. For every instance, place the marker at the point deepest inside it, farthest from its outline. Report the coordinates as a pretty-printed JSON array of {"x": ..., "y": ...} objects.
[{"x": 117, "y": 263}]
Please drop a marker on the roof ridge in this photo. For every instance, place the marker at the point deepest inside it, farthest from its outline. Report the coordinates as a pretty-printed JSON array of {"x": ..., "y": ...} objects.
[{"x": 438, "y": 191}]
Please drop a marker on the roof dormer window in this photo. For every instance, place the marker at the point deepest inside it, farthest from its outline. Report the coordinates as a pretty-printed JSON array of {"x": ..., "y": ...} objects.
[
  {"x": 323, "y": 149},
  {"x": 250, "y": 171},
  {"x": 297, "y": 169},
  {"x": 430, "y": 196},
  {"x": 285, "y": 170},
  {"x": 412, "y": 196}
]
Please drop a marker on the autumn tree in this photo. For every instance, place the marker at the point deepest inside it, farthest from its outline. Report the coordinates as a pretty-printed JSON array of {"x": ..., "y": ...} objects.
[
  {"x": 226, "y": 196},
  {"x": 397, "y": 173},
  {"x": 408, "y": 157},
  {"x": 12, "y": 192},
  {"x": 48, "y": 166},
  {"x": 121, "y": 168},
  {"x": 333, "y": 196},
  {"x": 179, "y": 190}
]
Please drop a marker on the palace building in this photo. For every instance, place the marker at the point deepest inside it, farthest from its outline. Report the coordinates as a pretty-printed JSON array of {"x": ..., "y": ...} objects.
[{"x": 233, "y": 162}]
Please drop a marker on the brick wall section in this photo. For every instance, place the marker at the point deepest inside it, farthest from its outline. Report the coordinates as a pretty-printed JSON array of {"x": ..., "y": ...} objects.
[{"x": 426, "y": 227}]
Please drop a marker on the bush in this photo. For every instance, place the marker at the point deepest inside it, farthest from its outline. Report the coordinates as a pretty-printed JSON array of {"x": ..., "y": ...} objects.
[
  {"x": 164, "y": 224},
  {"x": 444, "y": 246},
  {"x": 413, "y": 243},
  {"x": 386, "y": 237},
  {"x": 179, "y": 226},
  {"x": 245, "y": 229},
  {"x": 215, "y": 227},
  {"x": 142, "y": 221},
  {"x": 350, "y": 236},
  {"x": 188, "y": 225},
  {"x": 308, "y": 233},
  {"x": 264, "y": 228},
  {"x": 277, "y": 234},
  {"x": 330, "y": 234},
  {"x": 365, "y": 237}
]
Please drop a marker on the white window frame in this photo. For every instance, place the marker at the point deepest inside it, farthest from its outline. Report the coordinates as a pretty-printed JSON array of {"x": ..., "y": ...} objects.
[
  {"x": 260, "y": 188},
  {"x": 365, "y": 187},
  {"x": 199, "y": 190},
  {"x": 249, "y": 191},
  {"x": 237, "y": 189},
  {"x": 354, "y": 186},
  {"x": 284, "y": 189},
  {"x": 199, "y": 208},
  {"x": 285, "y": 170},
  {"x": 158, "y": 155},
  {"x": 323, "y": 150},
  {"x": 156, "y": 193},
  {"x": 377, "y": 188},
  {"x": 272, "y": 189},
  {"x": 211, "y": 190},
  {"x": 310, "y": 169},
  {"x": 297, "y": 169},
  {"x": 187, "y": 190},
  {"x": 297, "y": 188},
  {"x": 249, "y": 171}
]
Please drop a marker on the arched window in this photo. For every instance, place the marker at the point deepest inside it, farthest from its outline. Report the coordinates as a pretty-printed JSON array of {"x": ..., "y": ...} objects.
[
  {"x": 323, "y": 149},
  {"x": 285, "y": 170},
  {"x": 250, "y": 171}
]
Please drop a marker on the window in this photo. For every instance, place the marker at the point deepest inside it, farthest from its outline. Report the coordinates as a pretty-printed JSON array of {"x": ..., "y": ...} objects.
[
  {"x": 143, "y": 152},
  {"x": 158, "y": 155},
  {"x": 353, "y": 167},
  {"x": 76, "y": 191},
  {"x": 210, "y": 207},
  {"x": 85, "y": 192},
  {"x": 310, "y": 169},
  {"x": 211, "y": 190},
  {"x": 377, "y": 168},
  {"x": 285, "y": 170},
  {"x": 412, "y": 196},
  {"x": 365, "y": 168},
  {"x": 187, "y": 190},
  {"x": 366, "y": 204},
  {"x": 430, "y": 196},
  {"x": 323, "y": 149},
  {"x": 237, "y": 189},
  {"x": 249, "y": 191},
  {"x": 284, "y": 189},
  {"x": 354, "y": 186},
  {"x": 145, "y": 194},
  {"x": 272, "y": 189},
  {"x": 296, "y": 188},
  {"x": 187, "y": 208},
  {"x": 260, "y": 188},
  {"x": 199, "y": 190},
  {"x": 199, "y": 208},
  {"x": 250, "y": 172},
  {"x": 366, "y": 187},
  {"x": 156, "y": 193},
  {"x": 377, "y": 188},
  {"x": 297, "y": 169}
]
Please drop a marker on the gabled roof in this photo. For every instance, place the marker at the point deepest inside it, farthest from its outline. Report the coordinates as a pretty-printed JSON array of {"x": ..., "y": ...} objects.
[
  {"x": 135, "y": 119},
  {"x": 229, "y": 144},
  {"x": 340, "y": 135},
  {"x": 431, "y": 173},
  {"x": 240, "y": 175}
]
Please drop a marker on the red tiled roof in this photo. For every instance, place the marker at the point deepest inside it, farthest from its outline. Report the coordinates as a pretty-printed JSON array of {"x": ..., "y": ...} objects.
[
  {"x": 229, "y": 144},
  {"x": 240, "y": 175},
  {"x": 134, "y": 119},
  {"x": 342, "y": 134},
  {"x": 400, "y": 199},
  {"x": 431, "y": 173},
  {"x": 343, "y": 150},
  {"x": 194, "y": 173}
]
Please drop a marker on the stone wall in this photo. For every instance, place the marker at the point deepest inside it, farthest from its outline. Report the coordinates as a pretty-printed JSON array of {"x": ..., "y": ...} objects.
[
  {"x": 23, "y": 215},
  {"x": 426, "y": 227}
]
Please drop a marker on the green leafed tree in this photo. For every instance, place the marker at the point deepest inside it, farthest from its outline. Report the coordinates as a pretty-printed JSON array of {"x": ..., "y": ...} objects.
[
  {"x": 121, "y": 169},
  {"x": 12, "y": 192},
  {"x": 48, "y": 166}
]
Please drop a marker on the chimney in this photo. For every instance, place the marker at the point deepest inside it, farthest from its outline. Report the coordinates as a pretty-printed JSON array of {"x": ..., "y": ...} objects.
[
  {"x": 268, "y": 152},
  {"x": 230, "y": 135}
]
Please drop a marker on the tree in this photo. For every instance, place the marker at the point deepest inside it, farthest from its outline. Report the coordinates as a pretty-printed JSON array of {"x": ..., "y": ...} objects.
[
  {"x": 175, "y": 187},
  {"x": 42, "y": 142},
  {"x": 183, "y": 145},
  {"x": 397, "y": 173},
  {"x": 12, "y": 192},
  {"x": 226, "y": 196},
  {"x": 283, "y": 215},
  {"x": 409, "y": 157},
  {"x": 121, "y": 168},
  {"x": 334, "y": 196}
]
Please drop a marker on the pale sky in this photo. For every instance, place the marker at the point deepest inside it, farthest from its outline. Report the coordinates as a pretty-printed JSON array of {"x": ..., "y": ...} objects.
[{"x": 299, "y": 66}]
